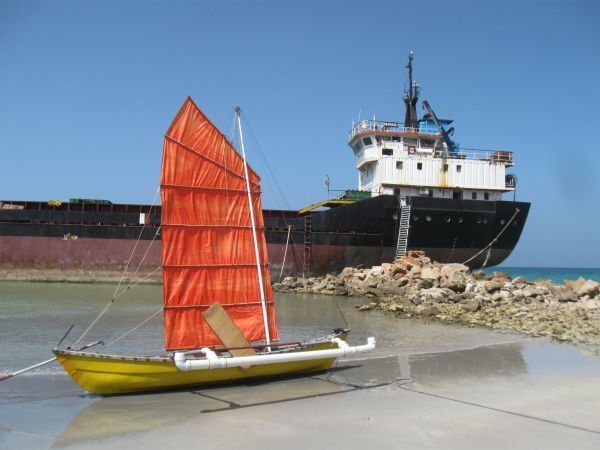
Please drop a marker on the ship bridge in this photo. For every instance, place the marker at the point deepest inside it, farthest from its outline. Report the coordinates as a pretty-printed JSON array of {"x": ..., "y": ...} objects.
[{"x": 416, "y": 161}]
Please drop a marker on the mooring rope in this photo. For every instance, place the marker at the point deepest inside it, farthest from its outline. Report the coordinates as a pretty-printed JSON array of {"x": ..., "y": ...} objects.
[{"x": 489, "y": 246}]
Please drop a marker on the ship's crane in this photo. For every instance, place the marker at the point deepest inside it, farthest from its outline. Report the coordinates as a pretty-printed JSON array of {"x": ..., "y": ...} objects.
[{"x": 450, "y": 144}]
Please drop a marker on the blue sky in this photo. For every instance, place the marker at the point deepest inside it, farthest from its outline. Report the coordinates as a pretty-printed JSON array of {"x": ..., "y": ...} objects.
[{"x": 87, "y": 89}]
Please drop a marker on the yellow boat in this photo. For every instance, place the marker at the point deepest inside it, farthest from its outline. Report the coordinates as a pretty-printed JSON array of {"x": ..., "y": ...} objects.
[
  {"x": 115, "y": 374},
  {"x": 219, "y": 313}
]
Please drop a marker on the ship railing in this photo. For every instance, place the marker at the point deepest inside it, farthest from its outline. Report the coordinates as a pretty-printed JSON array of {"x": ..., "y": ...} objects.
[
  {"x": 494, "y": 156},
  {"x": 363, "y": 126}
]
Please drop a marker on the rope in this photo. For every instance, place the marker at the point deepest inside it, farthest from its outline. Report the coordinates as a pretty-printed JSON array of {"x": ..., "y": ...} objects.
[
  {"x": 111, "y": 301},
  {"x": 148, "y": 319},
  {"x": 489, "y": 246},
  {"x": 285, "y": 253},
  {"x": 134, "y": 247},
  {"x": 145, "y": 253},
  {"x": 115, "y": 295}
]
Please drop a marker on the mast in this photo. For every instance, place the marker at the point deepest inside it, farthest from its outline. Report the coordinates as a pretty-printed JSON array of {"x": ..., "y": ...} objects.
[
  {"x": 411, "y": 97},
  {"x": 263, "y": 302}
]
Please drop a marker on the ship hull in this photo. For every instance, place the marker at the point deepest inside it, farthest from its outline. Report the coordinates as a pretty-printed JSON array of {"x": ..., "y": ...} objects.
[{"x": 361, "y": 234}]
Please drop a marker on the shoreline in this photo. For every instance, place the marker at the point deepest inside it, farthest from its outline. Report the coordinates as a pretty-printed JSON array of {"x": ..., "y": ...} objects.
[
  {"x": 416, "y": 287},
  {"x": 78, "y": 277}
]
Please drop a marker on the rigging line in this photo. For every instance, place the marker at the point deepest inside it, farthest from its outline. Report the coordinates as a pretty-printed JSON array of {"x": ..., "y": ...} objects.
[
  {"x": 272, "y": 176},
  {"x": 517, "y": 211},
  {"x": 145, "y": 321},
  {"x": 341, "y": 313},
  {"x": 145, "y": 254},
  {"x": 111, "y": 301},
  {"x": 285, "y": 252},
  {"x": 109, "y": 304},
  {"x": 266, "y": 162}
]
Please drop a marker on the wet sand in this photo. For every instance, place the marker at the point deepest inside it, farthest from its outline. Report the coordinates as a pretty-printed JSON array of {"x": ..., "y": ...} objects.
[{"x": 429, "y": 385}]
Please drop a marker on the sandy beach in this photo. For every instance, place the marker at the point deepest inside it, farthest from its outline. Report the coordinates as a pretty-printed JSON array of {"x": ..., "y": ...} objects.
[{"x": 428, "y": 385}]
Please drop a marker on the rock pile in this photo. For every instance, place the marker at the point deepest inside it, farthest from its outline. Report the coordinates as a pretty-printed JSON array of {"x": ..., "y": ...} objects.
[{"x": 416, "y": 286}]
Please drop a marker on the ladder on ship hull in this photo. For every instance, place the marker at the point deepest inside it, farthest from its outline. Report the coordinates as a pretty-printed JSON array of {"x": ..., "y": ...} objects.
[
  {"x": 403, "y": 228},
  {"x": 307, "y": 245}
]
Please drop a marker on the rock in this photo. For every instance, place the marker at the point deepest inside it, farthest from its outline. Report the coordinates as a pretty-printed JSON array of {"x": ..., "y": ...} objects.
[
  {"x": 429, "y": 311},
  {"x": 454, "y": 276},
  {"x": 470, "y": 305},
  {"x": 414, "y": 272},
  {"x": 589, "y": 288},
  {"x": 492, "y": 286},
  {"x": 348, "y": 273},
  {"x": 376, "y": 270},
  {"x": 364, "y": 307},
  {"x": 501, "y": 276},
  {"x": 521, "y": 280},
  {"x": 436, "y": 294},
  {"x": 479, "y": 275},
  {"x": 430, "y": 273}
]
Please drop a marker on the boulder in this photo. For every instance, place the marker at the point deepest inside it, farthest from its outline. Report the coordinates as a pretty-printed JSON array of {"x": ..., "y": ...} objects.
[
  {"x": 454, "y": 276},
  {"x": 430, "y": 273},
  {"x": 589, "y": 288},
  {"x": 501, "y": 276},
  {"x": 414, "y": 272},
  {"x": 376, "y": 270},
  {"x": 492, "y": 286},
  {"x": 470, "y": 305},
  {"x": 348, "y": 273},
  {"x": 479, "y": 275}
]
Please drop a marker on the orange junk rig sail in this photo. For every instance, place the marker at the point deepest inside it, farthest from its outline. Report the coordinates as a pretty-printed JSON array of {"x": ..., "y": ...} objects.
[{"x": 208, "y": 246}]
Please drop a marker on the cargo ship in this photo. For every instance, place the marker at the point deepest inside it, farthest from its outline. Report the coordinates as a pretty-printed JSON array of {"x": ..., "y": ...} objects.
[{"x": 417, "y": 190}]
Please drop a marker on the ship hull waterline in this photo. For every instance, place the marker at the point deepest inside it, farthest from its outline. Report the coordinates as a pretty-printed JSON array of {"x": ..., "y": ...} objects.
[{"x": 114, "y": 374}]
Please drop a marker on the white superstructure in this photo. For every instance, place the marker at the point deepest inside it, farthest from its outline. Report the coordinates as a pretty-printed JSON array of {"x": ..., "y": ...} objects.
[
  {"x": 406, "y": 161},
  {"x": 420, "y": 159}
]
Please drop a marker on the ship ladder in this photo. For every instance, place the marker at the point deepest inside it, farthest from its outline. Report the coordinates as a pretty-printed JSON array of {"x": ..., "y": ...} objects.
[
  {"x": 403, "y": 229},
  {"x": 307, "y": 245}
]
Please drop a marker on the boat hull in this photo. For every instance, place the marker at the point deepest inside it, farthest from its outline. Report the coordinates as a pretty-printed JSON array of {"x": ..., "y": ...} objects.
[{"x": 112, "y": 374}]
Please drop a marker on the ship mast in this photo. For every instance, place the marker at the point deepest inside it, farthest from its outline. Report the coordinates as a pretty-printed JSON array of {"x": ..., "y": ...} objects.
[{"x": 411, "y": 97}]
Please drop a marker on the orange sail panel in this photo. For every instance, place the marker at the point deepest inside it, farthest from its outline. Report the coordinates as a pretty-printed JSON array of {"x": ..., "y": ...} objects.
[{"x": 208, "y": 249}]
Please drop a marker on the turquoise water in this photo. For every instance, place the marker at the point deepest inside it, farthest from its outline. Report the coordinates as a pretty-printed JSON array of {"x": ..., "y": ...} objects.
[{"x": 556, "y": 274}]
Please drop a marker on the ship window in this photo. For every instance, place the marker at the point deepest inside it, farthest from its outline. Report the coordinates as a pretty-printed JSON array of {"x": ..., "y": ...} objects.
[
  {"x": 396, "y": 139},
  {"x": 410, "y": 142},
  {"x": 428, "y": 218},
  {"x": 456, "y": 195},
  {"x": 474, "y": 195},
  {"x": 367, "y": 141},
  {"x": 387, "y": 152},
  {"x": 419, "y": 166},
  {"x": 486, "y": 195},
  {"x": 399, "y": 165},
  {"x": 445, "y": 167},
  {"x": 426, "y": 143},
  {"x": 357, "y": 146},
  {"x": 458, "y": 168}
]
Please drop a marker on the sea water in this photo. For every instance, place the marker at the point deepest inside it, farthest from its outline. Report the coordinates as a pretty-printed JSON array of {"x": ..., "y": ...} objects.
[
  {"x": 44, "y": 408},
  {"x": 35, "y": 316},
  {"x": 556, "y": 274}
]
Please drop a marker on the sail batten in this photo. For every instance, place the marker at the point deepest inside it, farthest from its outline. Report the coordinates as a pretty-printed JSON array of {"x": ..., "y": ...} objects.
[{"x": 208, "y": 246}]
